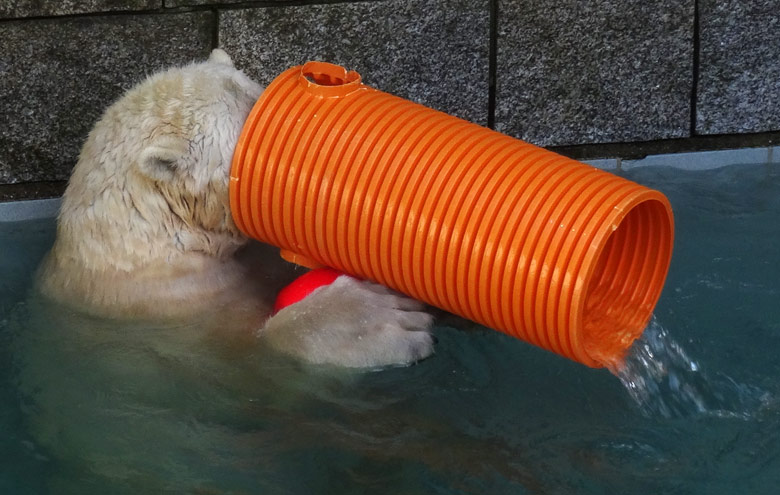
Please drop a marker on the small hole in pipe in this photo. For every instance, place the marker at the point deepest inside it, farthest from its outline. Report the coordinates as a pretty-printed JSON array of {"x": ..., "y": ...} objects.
[
  {"x": 324, "y": 79},
  {"x": 320, "y": 76}
]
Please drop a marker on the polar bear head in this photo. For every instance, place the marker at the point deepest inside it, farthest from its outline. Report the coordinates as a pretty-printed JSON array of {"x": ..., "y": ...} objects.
[
  {"x": 148, "y": 199},
  {"x": 152, "y": 178}
]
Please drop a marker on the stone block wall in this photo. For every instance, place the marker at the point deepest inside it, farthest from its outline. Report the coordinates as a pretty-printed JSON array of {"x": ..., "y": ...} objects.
[{"x": 580, "y": 76}]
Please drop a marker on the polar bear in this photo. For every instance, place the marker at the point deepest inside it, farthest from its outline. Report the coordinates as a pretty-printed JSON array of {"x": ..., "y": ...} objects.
[{"x": 145, "y": 231}]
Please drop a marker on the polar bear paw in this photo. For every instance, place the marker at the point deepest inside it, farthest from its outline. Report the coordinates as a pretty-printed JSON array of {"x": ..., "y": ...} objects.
[{"x": 352, "y": 323}]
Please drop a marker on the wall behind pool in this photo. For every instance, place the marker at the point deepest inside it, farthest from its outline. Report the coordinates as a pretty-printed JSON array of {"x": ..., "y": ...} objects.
[{"x": 603, "y": 79}]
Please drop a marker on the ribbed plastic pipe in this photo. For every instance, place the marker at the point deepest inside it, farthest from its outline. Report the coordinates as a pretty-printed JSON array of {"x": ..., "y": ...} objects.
[{"x": 512, "y": 236}]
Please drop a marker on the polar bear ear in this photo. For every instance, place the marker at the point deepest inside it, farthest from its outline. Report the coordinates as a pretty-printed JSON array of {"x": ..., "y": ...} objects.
[
  {"x": 220, "y": 56},
  {"x": 162, "y": 159},
  {"x": 241, "y": 84}
]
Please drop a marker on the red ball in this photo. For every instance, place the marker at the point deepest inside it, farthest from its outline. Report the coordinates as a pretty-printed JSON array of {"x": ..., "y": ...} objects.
[{"x": 304, "y": 285}]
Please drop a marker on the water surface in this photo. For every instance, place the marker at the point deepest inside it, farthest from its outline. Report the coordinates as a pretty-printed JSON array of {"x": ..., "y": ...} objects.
[{"x": 92, "y": 407}]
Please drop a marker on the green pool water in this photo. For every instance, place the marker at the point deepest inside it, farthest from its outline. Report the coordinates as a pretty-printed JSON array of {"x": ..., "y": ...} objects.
[{"x": 93, "y": 407}]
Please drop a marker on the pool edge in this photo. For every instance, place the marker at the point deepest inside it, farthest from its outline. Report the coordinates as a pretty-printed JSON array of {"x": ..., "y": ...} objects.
[
  {"x": 32, "y": 209},
  {"x": 29, "y": 209}
]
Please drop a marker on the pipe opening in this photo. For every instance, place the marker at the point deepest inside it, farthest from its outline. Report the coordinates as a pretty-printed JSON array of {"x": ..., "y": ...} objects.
[
  {"x": 325, "y": 79},
  {"x": 627, "y": 282},
  {"x": 325, "y": 74}
]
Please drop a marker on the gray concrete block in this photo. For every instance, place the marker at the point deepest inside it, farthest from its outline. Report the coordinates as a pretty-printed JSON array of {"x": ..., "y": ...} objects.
[
  {"x": 739, "y": 67},
  {"x": 434, "y": 52},
  {"x": 594, "y": 72},
  {"x": 29, "y": 8},
  {"x": 57, "y": 77}
]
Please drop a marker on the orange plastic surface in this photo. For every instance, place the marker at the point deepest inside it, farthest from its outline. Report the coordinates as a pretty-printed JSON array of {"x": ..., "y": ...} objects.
[{"x": 512, "y": 236}]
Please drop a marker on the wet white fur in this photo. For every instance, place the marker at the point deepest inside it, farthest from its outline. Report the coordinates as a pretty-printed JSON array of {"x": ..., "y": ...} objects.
[{"x": 145, "y": 230}]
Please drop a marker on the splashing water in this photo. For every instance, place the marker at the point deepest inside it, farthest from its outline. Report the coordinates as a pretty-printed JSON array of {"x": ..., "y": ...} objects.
[{"x": 664, "y": 381}]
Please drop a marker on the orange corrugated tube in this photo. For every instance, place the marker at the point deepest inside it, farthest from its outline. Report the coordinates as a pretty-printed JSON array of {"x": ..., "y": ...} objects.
[{"x": 512, "y": 236}]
